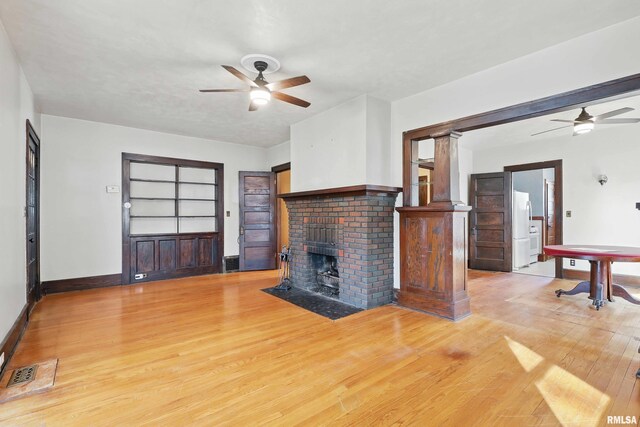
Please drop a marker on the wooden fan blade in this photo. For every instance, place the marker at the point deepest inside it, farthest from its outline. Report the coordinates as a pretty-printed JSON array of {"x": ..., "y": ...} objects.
[
  {"x": 224, "y": 90},
  {"x": 551, "y": 130},
  {"x": 286, "y": 83},
  {"x": 290, "y": 99},
  {"x": 253, "y": 106},
  {"x": 617, "y": 121},
  {"x": 612, "y": 113},
  {"x": 239, "y": 75},
  {"x": 563, "y": 121}
]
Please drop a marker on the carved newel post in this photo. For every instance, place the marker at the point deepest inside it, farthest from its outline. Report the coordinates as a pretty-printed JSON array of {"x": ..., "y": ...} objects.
[{"x": 433, "y": 238}]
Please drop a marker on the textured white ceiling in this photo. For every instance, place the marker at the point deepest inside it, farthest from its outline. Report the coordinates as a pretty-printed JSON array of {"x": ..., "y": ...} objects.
[{"x": 140, "y": 62}]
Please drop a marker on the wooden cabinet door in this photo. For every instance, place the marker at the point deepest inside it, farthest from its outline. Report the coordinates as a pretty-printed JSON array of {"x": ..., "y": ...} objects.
[
  {"x": 490, "y": 243},
  {"x": 168, "y": 256},
  {"x": 257, "y": 221}
]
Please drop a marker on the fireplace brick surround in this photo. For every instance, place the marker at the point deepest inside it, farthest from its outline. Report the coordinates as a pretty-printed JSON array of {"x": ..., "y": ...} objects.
[{"x": 360, "y": 219}]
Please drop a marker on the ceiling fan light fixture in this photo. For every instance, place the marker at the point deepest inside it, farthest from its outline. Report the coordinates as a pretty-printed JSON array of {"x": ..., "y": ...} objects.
[
  {"x": 260, "y": 96},
  {"x": 583, "y": 127},
  {"x": 585, "y": 122}
]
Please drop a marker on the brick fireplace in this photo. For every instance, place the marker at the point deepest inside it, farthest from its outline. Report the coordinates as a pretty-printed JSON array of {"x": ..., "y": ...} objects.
[{"x": 342, "y": 243}]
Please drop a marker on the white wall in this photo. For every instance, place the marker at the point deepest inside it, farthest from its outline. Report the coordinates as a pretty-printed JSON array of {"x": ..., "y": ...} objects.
[
  {"x": 593, "y": 58},
  {"x": 377, "y": 144},
  {"x": 279, "y": 154},
  {"x": 81, "y": 223},
  {"x": 329, "y": 149},
  {"x": 346, "y": 145},
  {"x": 600, "y": 215},
  {"x": 16, "y": 106}
]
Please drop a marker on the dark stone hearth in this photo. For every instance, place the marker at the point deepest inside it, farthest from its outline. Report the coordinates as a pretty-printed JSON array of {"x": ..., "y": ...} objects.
[
  {"x": 314, "y": 302},
  {"x": 357, "y": 229}
]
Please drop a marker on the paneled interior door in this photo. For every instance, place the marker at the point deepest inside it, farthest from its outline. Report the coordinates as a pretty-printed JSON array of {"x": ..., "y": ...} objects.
[
  {"x": 490, "y": 243},
  {"x": 257, "y": 221},
  {"x": 33, "y": 215}
]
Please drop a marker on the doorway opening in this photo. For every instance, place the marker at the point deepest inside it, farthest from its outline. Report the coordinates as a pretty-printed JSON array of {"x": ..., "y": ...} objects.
[
  {"x": 426, "y": 165},
  {"x": 283, "y": 185},
  {"x": 535, "y": 222}
]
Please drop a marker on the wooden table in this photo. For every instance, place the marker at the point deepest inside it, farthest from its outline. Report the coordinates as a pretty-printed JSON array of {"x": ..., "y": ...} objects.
[{"x": 600, "y": 258}]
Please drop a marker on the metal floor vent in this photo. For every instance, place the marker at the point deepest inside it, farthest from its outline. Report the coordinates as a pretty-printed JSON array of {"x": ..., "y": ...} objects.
[
  {"x": 231, "y": 263},
  {"x": 23, "y": 375}
]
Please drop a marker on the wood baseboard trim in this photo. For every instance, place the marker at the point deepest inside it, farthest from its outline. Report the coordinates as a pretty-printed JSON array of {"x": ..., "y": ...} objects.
[
  {"x": 621, "y": 279},
  {"x": 10, "y": 342},
  {"x": 81, "y": 283}
]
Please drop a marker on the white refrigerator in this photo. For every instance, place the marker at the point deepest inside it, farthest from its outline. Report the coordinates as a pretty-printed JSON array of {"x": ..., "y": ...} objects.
[{"x": 521, "y": 214}]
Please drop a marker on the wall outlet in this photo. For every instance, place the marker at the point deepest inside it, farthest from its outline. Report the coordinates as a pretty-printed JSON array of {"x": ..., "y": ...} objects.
[
  {"x": 568, "y": 214},
  {"x": 572, "y": 262},
  {"x": 140, "y": 276},
  {"x": 1, "y": 359}
]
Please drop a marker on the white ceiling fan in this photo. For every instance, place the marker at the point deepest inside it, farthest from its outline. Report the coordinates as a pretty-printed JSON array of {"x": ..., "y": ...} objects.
[{"x": 585, "y": 122}]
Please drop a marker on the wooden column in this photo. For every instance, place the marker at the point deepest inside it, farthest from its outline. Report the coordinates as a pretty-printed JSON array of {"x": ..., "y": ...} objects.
[
  {"x": 433, "y": 238},
  {"x": 446, "y": 186}
]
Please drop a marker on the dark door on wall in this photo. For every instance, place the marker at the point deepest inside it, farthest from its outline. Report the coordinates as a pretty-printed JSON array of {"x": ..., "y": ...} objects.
[
  {"x": 490, "y": 242},
  {"x": 32, "y": 212},
  {"x": 257, "y": 221}
]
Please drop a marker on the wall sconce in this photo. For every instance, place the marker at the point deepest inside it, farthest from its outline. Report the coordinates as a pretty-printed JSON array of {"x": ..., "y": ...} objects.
[{"x": 602, "y": 179}]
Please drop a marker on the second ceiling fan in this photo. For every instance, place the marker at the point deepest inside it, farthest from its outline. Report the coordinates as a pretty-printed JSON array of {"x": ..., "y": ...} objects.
[
  {"x": 585, "y": 122},
  {"x": 261, "y": 91}
]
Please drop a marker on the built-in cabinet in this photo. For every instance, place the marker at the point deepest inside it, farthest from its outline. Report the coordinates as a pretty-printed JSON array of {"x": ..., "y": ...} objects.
[{"x": 171, "y": 217}]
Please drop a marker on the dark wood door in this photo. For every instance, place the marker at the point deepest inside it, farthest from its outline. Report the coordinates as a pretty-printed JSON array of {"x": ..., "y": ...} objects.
[
  {"x": 33, "y": 215},
  {"x": 257, "y": 221},
  {"x": 490, "y": 242}
]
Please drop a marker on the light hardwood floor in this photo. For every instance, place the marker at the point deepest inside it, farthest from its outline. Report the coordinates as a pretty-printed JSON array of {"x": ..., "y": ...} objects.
[{"x": 216, "y": 350}]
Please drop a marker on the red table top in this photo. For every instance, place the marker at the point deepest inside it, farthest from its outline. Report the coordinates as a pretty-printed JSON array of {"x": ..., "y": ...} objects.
[{"x": 595, "y": 252}]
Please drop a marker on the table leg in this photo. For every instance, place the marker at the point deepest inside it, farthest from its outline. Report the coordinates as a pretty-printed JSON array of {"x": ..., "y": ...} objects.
[
  {"x": 598, "y": 278},
  {"x": 594, "y": 286},
  {"x": 582, "y": 287},
  {"x": 621, "y": 292},
  {"x": 609, "y": 282}
]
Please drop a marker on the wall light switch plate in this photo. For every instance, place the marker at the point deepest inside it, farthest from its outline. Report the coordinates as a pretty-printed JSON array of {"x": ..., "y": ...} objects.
[
  {"x": 568, "y": 214},
  {"x": 113, "y": 189}
]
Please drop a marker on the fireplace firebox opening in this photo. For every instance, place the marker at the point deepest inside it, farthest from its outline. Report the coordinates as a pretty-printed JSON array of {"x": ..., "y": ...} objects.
[{"x": 327, "y": 276}]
